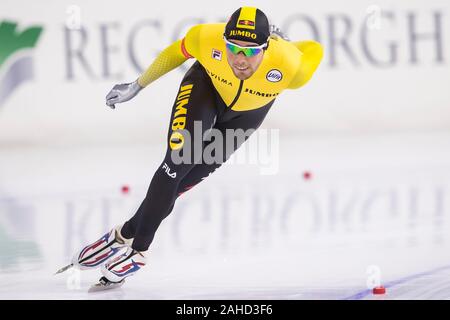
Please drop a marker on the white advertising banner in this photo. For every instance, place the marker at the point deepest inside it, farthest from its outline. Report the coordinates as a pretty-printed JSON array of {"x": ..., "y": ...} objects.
[{"x": 386, "y": 67}]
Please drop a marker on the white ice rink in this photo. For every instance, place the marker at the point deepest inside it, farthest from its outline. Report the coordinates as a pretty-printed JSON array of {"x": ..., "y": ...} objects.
[{"x": 376, "y": 207}]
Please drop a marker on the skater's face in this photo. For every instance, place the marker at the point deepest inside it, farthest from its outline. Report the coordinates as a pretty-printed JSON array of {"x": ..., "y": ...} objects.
[{"x": 244, "y": 63}]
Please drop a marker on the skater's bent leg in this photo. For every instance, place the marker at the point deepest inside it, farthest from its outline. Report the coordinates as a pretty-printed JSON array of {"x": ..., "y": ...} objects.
[
  {"x": 197, "y": 174},
  {"x": 232, "y": 120},
  {"x": 160, "y": 198}
]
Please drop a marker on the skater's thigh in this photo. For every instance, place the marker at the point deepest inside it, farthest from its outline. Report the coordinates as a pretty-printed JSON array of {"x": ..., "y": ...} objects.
[
  {"x": 194, "y": 112},
  {"x": 236, "y": 127}
]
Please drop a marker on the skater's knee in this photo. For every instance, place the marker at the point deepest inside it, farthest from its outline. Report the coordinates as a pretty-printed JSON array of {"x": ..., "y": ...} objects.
[{"x": 173, "y": 171}]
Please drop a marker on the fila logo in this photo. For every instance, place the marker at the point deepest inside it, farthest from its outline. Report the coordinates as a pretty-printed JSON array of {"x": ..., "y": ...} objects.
[
  {"x": 274, "y": 75},
  {"x": 167, "y": 169},
  {"x": 217, "y": 54}
]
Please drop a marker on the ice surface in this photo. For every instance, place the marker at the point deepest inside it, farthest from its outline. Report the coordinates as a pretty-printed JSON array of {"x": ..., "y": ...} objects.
[{"x": 376, "y": 208}]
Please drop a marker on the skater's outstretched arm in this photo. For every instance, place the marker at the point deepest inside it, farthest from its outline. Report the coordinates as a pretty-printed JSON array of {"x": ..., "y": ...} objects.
[{"x": 170, "y": 58}]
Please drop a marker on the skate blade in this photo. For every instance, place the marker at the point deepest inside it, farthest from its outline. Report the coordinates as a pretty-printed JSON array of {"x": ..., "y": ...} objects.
[
  {"x": 64, "y": 269},
  {"x": 98, "y": 287}
]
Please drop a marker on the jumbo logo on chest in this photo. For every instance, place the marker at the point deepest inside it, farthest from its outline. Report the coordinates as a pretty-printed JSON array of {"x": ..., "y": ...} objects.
[{"x": 274, "y": 75}]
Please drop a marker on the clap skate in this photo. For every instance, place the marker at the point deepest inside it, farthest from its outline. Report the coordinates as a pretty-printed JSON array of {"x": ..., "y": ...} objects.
[
  {"x": 94, "y": 255},
  {"x": 118, "y": 269}
]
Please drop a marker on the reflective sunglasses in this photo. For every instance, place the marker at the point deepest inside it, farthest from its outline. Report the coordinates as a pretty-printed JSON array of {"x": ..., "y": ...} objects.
[{"x": 247, "y": 51}]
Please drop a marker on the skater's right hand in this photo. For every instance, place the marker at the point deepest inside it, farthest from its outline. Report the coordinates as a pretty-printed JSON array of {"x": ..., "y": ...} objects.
[{"x": 122, "y": 92}]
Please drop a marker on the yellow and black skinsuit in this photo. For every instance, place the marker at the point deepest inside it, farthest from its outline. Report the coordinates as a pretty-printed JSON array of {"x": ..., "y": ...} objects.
[{"x": 212, "y": 96}]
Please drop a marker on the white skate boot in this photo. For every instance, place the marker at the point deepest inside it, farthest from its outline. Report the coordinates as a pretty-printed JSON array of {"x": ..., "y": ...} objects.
[
  {"x": 94, "y": 255},
  {"x": 97, "y": 253},
  {"x": 116, "y": 270},
  {"x": 124, "y": 266}
]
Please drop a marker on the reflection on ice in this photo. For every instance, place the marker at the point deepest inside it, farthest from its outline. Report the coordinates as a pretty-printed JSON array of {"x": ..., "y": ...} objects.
[{"x": 238, "y": 235}]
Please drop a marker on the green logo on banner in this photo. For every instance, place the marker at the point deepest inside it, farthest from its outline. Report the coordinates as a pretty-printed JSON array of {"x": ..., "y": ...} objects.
[{"x": 15, "y": 69}]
